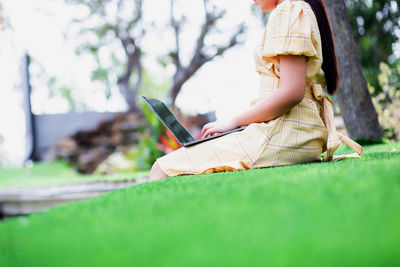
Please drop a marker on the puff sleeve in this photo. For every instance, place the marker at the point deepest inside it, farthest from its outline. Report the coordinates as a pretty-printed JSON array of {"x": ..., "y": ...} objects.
[{"x": 290, "y": 31}]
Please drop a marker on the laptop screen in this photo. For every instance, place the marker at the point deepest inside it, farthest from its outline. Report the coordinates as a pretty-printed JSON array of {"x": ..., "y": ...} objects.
[{"x": 169, "y": 120}]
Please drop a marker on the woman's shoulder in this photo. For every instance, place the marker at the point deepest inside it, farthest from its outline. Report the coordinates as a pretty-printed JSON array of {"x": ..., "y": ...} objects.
[
  {"x": 292, "y": 29},
  {"x": 290, "y": 4},
  {"x": 291, "y": 9},
  {"x": 292, "y": 17}
]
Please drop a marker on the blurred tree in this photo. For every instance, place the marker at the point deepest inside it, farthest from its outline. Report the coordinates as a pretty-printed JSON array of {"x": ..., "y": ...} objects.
[
  {"x": 4, "y": 21},
  {"x": 122, "y": 20},
  {"x": 3, "y": 158},
  {"x": 202, "y": 52},
  {"x": 55, "y": 89},
  {"x": 260, "y": 14},
  {"x": 111, "y": 21},
  {"x": 353, "y": 96},
  {"x": 1, "y": 17},
  {"x": 387, "y": 102},
  {"x": 376, "y": 29}
]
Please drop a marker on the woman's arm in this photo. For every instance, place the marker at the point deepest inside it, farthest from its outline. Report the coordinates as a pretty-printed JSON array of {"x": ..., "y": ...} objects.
[{"x": 289, "y": 94}]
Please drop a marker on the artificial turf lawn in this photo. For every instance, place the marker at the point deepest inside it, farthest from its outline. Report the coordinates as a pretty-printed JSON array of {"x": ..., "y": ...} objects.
[
  {"x": 54, "y": 173},
  {"x": 321, "y": 214}
]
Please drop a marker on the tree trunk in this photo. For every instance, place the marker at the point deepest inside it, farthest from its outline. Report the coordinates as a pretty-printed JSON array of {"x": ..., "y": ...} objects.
[
  {"x": 354, "y": 99},
  {"x": 182, "y": 75},
  {"x": 129, "y": 94},
  {"x": 134, "y": 63},
  {"x": 31, "y": 152},
  {"x": 177, "y": 83}
]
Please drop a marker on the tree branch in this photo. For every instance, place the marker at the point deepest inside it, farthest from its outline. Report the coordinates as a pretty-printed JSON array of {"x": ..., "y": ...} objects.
[
  {"x": 132, "y": 58},
  {"x": 176, "y": 25},
  {"x": 233, "y": 41},
  {"x": 211, "y": 18},
  {"x": 137, "y": 17},
  {"x": 199, "y": 57}
]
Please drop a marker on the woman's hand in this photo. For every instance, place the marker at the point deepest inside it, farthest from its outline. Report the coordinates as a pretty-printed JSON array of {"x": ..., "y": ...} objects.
[{"x": 216, "y": 127}]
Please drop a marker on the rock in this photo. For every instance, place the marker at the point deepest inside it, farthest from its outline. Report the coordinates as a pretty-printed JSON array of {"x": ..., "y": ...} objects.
[{"x": 89, "y": 159}]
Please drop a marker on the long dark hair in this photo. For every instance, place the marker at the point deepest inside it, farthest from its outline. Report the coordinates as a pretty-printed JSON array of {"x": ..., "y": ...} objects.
[{"x": 330, "y": 64}]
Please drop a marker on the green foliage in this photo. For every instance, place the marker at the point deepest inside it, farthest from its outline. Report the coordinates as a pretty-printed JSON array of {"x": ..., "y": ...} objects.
[
  {"x": 387, "y": 100},
  {"x": 56, "y": 88},
  {"x": 60, "y": 90},
  {"x": 92, "y": 4},
  {"x": 101, "y": 74},
  {"x": 3, "y": 20},
  {"x": 155, "y": 124},
  {"x": 375, "y": 26},
  {"x": 152, "y": 87},
  {"x": 139, "y": 156},
  {"x": 108, "y": 25},
  {"x": 142, "y": 155},
  {"x": 146, "y": 152},
  {"x": 342, "y": 213}
]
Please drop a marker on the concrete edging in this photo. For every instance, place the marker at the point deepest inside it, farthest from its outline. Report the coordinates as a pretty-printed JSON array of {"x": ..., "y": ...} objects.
[{"x": 23, "y": 201}]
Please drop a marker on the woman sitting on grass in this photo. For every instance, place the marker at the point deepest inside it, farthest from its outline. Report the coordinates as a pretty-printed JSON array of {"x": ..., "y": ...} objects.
[{"x": 291, "y": 121}]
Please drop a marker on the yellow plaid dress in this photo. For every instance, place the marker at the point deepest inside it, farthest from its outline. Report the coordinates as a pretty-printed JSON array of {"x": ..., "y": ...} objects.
[{"x": 298, "y": 136}]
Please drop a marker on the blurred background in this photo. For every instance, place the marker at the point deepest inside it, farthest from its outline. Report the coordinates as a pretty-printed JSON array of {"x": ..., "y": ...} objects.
[{"x": 72, "y": 72}]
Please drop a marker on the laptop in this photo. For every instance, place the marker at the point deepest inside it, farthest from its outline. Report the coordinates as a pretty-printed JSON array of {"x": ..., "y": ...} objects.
[{"x": 170, "y": 121}]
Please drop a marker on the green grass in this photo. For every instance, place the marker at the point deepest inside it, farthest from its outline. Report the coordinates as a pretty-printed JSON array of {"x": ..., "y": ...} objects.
[
  {"x": 343, "y": 213},
  {"x": 54, "y": 173}
]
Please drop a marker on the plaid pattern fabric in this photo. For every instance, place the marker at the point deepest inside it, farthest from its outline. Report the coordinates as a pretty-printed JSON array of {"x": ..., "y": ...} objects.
[
  {"x": 292, "y": 29},
  {"x": 298, "y": 136}
]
